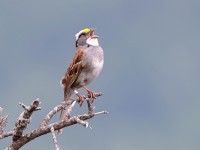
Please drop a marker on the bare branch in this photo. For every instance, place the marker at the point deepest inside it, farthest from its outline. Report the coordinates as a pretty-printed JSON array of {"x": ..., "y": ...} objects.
[
  {"x": 64, "y": 104},
  {"x": 24, "y": 119},
  {"x": 3, "y": 121},
  {"x": 82, "y": 122},
  {"x": 45, "y": 127},
  {"x": 48, "y": 117},
  {"x": 101, "y": 112},
  {"x": 87, "y": 97},
  {"x": 54, "y": 138}
]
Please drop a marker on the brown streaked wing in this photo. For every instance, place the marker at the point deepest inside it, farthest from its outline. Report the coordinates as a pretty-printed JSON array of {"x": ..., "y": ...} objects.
[{"x": 74, "y": 69}]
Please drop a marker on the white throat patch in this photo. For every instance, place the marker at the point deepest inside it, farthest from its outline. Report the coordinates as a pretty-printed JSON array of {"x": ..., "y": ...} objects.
[{"x": 92, "y": 41}]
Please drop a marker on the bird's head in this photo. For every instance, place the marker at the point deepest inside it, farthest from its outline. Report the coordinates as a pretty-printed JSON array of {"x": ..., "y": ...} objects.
[{"x": 86, "y": 37}]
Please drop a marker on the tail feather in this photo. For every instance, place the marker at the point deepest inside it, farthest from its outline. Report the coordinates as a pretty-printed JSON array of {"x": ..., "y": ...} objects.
[{"x": 67, "y": 96}]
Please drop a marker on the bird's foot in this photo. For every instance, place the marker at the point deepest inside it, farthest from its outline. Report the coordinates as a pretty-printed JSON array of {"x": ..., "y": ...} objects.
[
  {"x": 81, "y": 99},
  {"x": 91, "y": 94}
]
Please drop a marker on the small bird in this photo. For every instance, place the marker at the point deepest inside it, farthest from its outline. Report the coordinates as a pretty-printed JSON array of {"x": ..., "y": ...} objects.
[{"x": 84, "y": 68}]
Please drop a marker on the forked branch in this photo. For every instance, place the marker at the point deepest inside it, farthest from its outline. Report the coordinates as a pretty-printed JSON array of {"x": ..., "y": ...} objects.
[{"x": 24, "y": 119}]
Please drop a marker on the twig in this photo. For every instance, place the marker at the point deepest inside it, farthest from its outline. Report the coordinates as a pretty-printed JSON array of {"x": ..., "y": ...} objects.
[
  {"x": 82, "y": 122},
  {"x": 3, "y": 121},
  {"x": 64, "y": 104},
  {"x": 101, "y": 112},
  {"x": 54, "y": 138},
  {"x": 24, "y": 118},
  {"x": 88, "y": 96},
  {"x": 90, "y": 109},
  {"x": 69, "y": 109},
  {"x": 48, "y": 117},
  {"x": 6, "y": 134}
]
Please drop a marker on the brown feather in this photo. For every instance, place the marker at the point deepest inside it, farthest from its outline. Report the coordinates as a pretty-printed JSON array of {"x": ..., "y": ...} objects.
[
  {"x": 73, "y": 71},
  {"x": 70, "y": 77}
]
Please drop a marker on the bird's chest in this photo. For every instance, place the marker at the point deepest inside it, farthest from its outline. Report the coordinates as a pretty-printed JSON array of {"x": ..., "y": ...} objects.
[{"x": 92, "y": 68}]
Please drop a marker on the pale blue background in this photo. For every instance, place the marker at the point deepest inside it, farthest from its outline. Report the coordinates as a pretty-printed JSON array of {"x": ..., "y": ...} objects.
[{"x": 151, "y": 78}]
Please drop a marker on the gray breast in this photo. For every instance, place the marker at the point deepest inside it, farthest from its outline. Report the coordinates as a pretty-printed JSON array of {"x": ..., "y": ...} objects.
[{"x": 93, "y": 60}]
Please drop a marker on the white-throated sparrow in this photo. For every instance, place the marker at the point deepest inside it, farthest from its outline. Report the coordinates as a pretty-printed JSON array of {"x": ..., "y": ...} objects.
[{"x": 85, "y": 66}]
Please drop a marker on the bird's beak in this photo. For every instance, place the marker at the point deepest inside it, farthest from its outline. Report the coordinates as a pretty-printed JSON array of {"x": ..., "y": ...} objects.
[
  {"x": 92, "y": 33},
  {"x": 95, "y": 36}
]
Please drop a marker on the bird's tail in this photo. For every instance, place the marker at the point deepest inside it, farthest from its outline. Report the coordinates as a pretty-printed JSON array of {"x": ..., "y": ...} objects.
[{"x": 67, "y": 96}]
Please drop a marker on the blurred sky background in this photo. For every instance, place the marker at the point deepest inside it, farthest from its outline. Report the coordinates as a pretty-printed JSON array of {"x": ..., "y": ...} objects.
[{"x": 150, "y": 81}]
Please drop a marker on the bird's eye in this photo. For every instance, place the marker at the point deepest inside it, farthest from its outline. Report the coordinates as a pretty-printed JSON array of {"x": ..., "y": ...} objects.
[{"x": 83, "y": 34}]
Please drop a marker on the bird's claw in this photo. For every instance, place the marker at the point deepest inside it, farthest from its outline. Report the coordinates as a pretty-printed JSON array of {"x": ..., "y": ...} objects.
[
  {"x": 81, "y": 99},
  {"x": 92, "y": 95}
]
